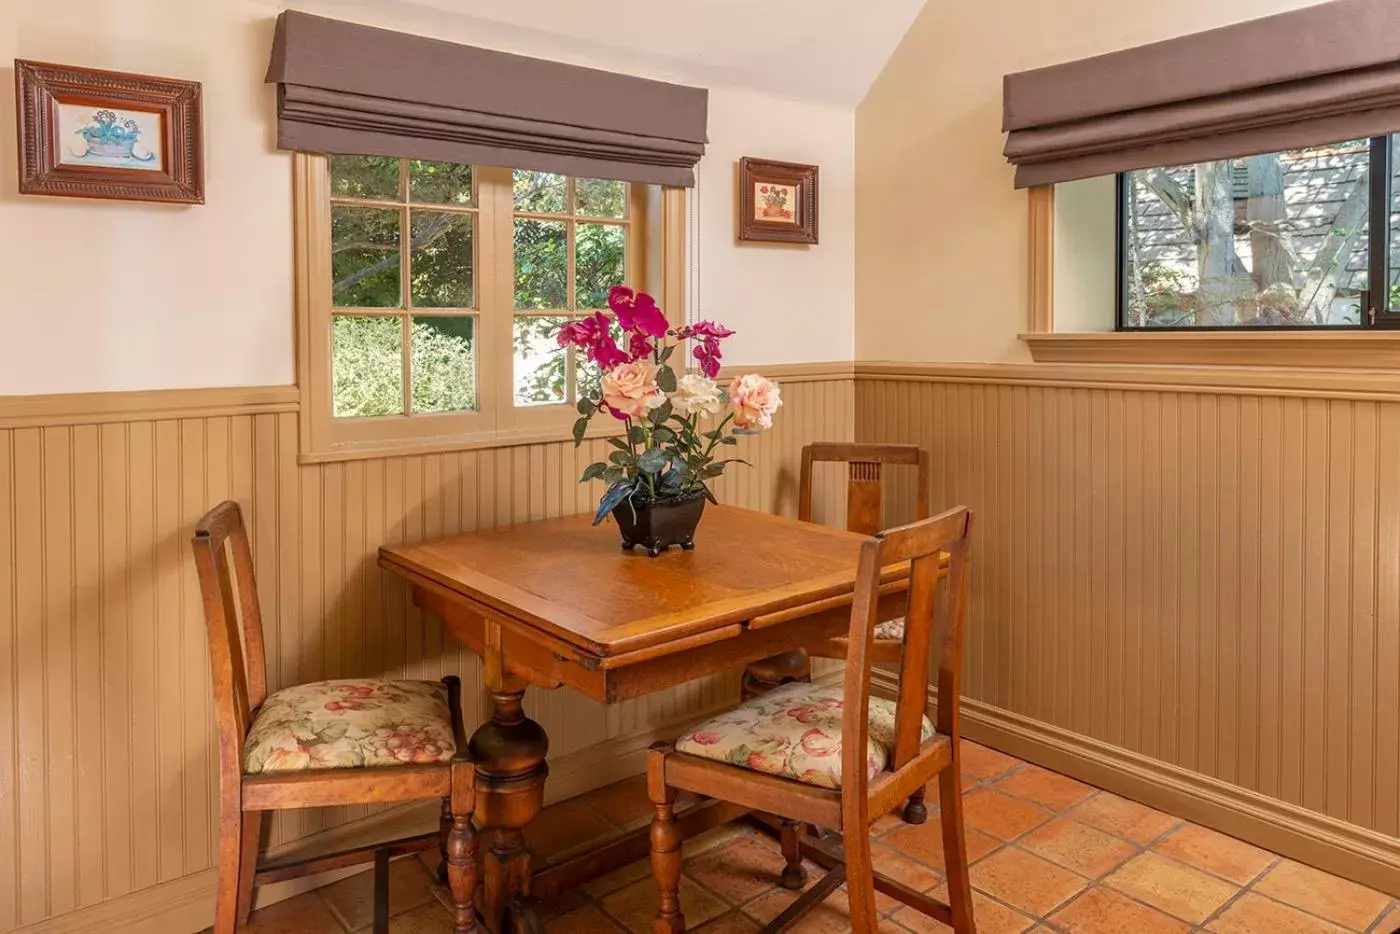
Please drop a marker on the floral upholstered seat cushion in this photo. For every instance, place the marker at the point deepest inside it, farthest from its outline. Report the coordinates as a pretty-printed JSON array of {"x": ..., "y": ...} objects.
[
  {"x": 793, "y": 732},
  {"x": 350, "y": 724},
  {"x": 891, "y": 629}
]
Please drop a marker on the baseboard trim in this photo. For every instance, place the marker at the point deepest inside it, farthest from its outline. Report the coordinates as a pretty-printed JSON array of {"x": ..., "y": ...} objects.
[
  {"x": 1335, "y": 846},
  {"x": 186, "y": 905}
]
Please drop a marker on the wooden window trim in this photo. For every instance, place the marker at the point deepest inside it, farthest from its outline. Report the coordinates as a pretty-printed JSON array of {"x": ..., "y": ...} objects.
[
  {"x": 1362, "y": 349},
  {"x": 656, "y": 262}
]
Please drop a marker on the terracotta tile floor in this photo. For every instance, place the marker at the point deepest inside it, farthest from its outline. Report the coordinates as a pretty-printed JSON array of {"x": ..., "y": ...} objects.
[{"x": 1050, "y": 854}]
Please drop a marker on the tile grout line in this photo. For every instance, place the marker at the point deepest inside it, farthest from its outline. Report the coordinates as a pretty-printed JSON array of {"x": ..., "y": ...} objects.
[
  {"x": 1246, "y": 889},
  {"x": 989, "y": 783}
]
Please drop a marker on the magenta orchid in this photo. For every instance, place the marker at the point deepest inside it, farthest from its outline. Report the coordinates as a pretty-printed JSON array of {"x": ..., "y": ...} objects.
[
  {"x": 637, "y": 311},
  {"x": 707, "y": 352},
  {"x": 664, "y": 453}
]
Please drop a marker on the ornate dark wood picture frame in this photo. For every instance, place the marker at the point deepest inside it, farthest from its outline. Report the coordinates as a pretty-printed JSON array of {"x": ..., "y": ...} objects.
[
  {"x": 777, "y": 201},
  {"x": 85, "y": 133}
]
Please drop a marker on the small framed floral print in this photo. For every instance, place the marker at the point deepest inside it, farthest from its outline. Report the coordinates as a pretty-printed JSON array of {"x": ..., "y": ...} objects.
[
  {"x": 777, "y": 201},
  {"x": 85, "y": 133}
]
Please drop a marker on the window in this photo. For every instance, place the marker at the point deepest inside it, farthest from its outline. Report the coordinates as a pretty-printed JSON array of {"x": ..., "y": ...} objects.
[
  {"x": 403, "y": 271},
  {"x": 430, "y": 293},
  {"x": 570, "y": 246},
  {"x": 1280, "y": 240}
]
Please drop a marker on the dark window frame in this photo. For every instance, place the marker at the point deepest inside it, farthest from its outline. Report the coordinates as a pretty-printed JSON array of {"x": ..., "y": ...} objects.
[{"x": 1381, "y": 314}]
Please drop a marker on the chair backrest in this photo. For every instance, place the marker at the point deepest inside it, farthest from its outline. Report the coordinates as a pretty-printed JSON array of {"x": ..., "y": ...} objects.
[
  {"x": 237, "y": 656},
  {"x": 932, "y": 610},
  {"x": 864, "y": 486}
]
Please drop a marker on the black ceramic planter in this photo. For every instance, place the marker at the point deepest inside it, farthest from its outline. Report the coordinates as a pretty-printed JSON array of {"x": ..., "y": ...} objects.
[{"x": 658, "y": 524}]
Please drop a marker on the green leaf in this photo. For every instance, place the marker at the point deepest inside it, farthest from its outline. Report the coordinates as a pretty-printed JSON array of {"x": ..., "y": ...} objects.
[
  {"x": 661, "y": 434},
  {"x": 729, "y": 440},
  {"x": 586, "y": 406},
  {"x": 666, "y": 353},
  {"x": 615, "y": 495},
  {"x": 619, "y": 444},
  {"x": 580, "y": 427},
  {"x": 637, "y": 435},
  {"x": 613, "y": 474},
  {"x": 652, "y": 461},
  {"x": 593, "y": 472},
  {"x": 622, "y": 458},
  {"x": 712, "y": 470},
  {"x": 661, "y": 413},
  {"x": 666, "y": 379}
]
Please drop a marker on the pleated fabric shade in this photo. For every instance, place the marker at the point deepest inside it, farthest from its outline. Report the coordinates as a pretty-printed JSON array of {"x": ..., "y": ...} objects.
[
  {"x": 352, "y": 89},
  {"x": 1317, "y": 75}
]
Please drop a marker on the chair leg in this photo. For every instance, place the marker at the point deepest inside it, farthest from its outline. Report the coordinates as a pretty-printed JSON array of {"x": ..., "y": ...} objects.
[
  {"x": 794, "y": 875},
  {"x": 251, "y": 839},
  {"x": 460, "y": 855},
  {"x": 860, "y": 883},
  {"x": 915, "y": 811},
  {"x": 445, "y": 833},
  {"x": 955, "y": 847},
  {"x": 665, "y": 846},
  {"x": 381, "y": 891},
  {"x": 230, "y": 869}
]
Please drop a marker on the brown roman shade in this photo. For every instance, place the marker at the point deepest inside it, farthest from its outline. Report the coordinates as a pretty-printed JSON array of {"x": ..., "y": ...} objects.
[
  {"x": 345, "y": 88},
  {"x": 1320, "y": 74}
]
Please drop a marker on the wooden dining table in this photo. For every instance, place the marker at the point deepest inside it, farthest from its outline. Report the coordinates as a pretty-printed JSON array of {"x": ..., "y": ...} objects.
[{"x": 558, "y": 604}]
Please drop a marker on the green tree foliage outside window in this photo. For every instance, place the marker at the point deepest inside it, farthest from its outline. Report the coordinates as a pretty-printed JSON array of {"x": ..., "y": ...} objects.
[
  {"x": 367, "y": 272},
  {"x": 542, "y": 275}
]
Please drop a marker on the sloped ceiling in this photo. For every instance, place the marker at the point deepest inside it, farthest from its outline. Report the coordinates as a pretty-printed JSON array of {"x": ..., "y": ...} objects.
[{"x": 821, "y": 50}]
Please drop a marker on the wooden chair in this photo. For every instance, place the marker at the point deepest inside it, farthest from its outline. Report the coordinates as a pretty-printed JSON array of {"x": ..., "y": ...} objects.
[
  {"x": 321, "y": 744},
  {"x": 864, "y": 515},
  {"x": 780, "y": 753}
]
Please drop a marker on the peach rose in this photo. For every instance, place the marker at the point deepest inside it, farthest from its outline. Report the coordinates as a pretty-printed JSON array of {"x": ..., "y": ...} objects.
[
  {"x": 753, "y": 400},
  {"x": 630, "y": 390}
]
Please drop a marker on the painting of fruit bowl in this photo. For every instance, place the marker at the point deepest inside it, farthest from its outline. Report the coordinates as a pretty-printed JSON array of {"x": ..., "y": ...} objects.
[
  {"x": 777, "y": 201},
  {"x": 88, "y": 133},
  {"x": 127, "y": 139}
]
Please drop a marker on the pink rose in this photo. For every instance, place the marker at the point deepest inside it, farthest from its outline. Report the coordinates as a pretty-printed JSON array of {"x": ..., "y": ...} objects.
[
  {"x": 630, "y": 390},
  {"x": 753, "y": 400},
  {"x": 807, "y": 713},
  {"x": 705, "y": 738},
  {"x": 819, "y": 744}
]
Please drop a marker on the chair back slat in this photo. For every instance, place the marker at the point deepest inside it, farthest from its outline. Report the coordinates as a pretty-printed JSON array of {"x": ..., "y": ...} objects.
[
  {"x": 233, "y": 621},
  {"x": 933, "y": 612},
  {"x": 865, "y": 479}
]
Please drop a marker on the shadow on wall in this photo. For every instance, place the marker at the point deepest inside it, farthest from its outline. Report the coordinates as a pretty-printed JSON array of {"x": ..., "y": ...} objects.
[{"x": 9, "y": 139}]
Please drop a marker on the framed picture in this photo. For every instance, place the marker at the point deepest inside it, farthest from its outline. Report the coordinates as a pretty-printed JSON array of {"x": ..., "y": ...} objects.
[
  {"x": 85, "y": 133},
  {"x": 777, "y": 201}
]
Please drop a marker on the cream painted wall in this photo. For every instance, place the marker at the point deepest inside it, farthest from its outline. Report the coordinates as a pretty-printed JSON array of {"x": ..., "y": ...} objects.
[
  {"x": 940, "y": 232},
  {"x": 116, "y": 296},
  {"x": 789, "y": 303},
  {"x": 109, "y": 295}
]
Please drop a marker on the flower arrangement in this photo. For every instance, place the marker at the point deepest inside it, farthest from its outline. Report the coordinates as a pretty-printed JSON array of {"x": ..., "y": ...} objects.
[
  {"x": 107, "y": 135},
  {"x": 665, "y": 452}
]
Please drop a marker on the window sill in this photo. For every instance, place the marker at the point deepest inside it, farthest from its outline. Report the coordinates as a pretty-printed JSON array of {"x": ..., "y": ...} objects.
[
  {"x": 1335, "y": 350},
  {"x": 474, "y": 441}
]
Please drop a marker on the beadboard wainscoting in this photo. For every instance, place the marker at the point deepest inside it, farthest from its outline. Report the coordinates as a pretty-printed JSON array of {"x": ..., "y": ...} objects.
[
  {"x": 1186, "y": 585},
  {"x": 109, "y": 780}
]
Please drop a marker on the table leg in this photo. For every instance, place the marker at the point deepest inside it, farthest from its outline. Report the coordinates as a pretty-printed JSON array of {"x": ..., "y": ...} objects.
[
  {"x": 764, "y": 675},
  {"x": 509, "y": 752}
]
